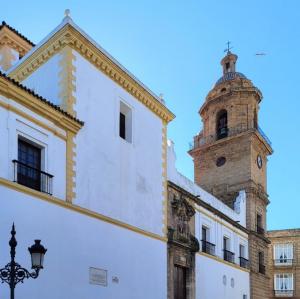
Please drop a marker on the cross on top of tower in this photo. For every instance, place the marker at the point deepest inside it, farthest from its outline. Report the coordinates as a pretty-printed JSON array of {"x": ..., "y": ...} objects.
[{"x": 228, "y": 48}]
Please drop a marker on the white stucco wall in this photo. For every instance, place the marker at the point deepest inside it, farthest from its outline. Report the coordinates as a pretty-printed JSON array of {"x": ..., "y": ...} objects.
[
  {"x": 239, "y": 212},
  {"x": 76, "y": 242},
  {"x": 218, "y": 228},
  {"x": 210, "y": 280},
  {"x": 13, "y": 125},
  {"x": 45, "y": 80},
  {"x": 116, "y": 178}
]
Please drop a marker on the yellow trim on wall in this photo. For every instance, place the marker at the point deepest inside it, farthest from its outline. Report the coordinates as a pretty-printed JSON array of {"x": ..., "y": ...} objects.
[
  {"x": 216, "y": 219},
  {"x": 32, "y": 119},
  {"x": 220, "y": 260},
  {"x": 70, "y": 168},
  {"x": 11, "y": 39},
  {"x": 67, "y": 80},
  {"x": 78, "y": 209},
  {"x": 69, "y": 36},
  {"x": 67, "y": 85},
  {"x": 11, "y": 91},
  {"x": 164, "y": 178}
]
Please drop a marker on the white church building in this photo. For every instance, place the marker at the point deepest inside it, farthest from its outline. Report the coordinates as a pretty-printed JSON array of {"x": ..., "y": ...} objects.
[{"x": 77, "y": 172}]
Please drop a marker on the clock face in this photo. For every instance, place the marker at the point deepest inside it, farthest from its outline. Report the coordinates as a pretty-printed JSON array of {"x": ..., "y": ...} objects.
[{"x": 259, "y": 161}]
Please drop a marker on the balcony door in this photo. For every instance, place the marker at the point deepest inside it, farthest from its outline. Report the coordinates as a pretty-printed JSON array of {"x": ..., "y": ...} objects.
[
  {"x": 29, "y": 166},
  {"x": 179, "y": 282}
]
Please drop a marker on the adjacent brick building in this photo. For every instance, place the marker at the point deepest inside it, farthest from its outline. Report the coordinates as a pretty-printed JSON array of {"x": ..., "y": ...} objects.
[{"x": 284, "y": 263}]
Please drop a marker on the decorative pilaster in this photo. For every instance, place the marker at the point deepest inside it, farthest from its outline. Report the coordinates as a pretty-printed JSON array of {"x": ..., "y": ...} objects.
[
  {"x": 164, "y": 178},
  {"x": 68, "y": 100}
]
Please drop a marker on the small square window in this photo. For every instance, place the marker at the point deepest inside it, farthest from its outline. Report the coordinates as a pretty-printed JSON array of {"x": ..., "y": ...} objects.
[{"x": 125, "y": 122}]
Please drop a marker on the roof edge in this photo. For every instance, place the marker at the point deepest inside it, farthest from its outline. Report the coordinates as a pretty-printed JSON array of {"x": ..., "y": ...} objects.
[
  {"x": 68, "y": 33},
  {"x": 4, "y": 24},
  {"x": 40, "y": 98}
]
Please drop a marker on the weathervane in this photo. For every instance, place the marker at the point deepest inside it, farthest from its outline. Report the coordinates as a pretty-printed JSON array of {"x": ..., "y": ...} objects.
[{"x": 228, "y": 48}]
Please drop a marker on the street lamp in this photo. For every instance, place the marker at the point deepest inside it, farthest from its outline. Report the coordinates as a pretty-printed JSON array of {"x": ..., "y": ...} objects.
[{"x": 13, "y": 273}]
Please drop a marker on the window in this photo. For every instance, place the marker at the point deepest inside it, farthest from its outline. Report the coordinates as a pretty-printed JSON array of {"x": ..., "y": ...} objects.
[
  {"x": 261, "y": 266},
  {"x": 226, "y": 243},
  {"x": 242, "y": 250},
  {"x": 29, "y": 158},
  {"x": 27, "y": 169},
  {"x": 122, "y": 125},
  {"x": 283, "y": 254},
  {"x": 259, "y": 226},
  {"x": 243, "y": 261},
  {"x": 228, "y": 255},
  {"x": 205, "y": 233},
  {"x": 207, "y": 247},
  {"x": 222, "y": 130},
  {"x": 283, "y": 284},
  {"x": 227, "y": 66},
  {"x": 125, "y": 122}
]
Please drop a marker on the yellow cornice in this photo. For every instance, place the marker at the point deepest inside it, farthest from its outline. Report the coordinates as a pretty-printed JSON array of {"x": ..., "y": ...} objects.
[
  {"x": 21, "y": 96},
  {"x": 68, "y": 35},
  {"x": 78, "y": 209},
  {"x": 10, "y": 38}
]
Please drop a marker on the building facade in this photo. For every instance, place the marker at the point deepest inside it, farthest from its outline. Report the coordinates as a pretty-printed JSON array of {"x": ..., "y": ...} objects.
[
  {"x": 284, "y": 262},
  {"x": 207, "y": 243},
  {"x": 118, "y": 219},
  {"x": 230, "y": 154},
  {"x": 77, "y": 171}
]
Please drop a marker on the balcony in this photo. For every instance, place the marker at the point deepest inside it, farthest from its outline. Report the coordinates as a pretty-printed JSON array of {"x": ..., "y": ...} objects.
[
  {"x": 228, "y": 256},
  {"x": 283, "y": 262},
  {"x": 208, "y": 247},
  {"x": 32, "y": 177},
  {"x": 200, "y": 140},
  {"x": 262, "y": 269},
  {"x": 244, "y": 263},
  {"x": 284, "y": 293},
  {"x": 260, "y": 230}
]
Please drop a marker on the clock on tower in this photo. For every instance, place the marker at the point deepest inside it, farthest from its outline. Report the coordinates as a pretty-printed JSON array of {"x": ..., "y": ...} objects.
[{"x": 230, "y": 154}]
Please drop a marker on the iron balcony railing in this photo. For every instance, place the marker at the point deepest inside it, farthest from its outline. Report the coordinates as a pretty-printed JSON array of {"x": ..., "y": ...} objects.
[
  {"x": 260, "y": 230},
  {"x": 228, "y": 256},
  {"x": 32, "y": 177},
  {"x": 200, "y": 140},
  {"x": 244, "y": 263},
  {"x": 283, "y": 262},
  {"x": 262, "y": 269},
  {"x": 284, "y": 293},
  {"x": 208, "y": 247}
]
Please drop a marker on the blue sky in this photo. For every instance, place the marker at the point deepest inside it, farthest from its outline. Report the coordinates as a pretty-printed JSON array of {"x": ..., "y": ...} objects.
[{"x": 175, "y": 47}]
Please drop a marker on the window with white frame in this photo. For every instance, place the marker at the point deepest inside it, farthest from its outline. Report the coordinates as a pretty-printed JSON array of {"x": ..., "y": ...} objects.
[
  {"x": 28, "y": 168},
  {"x": 283, "y": 254},
  {"x": 207, "y": 246},
  {"x": 283, "y": 284},
  {"x": 125, "y": 122}
]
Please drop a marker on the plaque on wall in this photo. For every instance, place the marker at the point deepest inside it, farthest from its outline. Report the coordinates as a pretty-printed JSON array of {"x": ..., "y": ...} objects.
[{"x": 98, "y": 276}]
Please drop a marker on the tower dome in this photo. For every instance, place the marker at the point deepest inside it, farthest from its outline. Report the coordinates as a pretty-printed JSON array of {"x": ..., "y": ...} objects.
[
  {"x": 228, "y": 63},
  {"x": 231, "y": 81}
]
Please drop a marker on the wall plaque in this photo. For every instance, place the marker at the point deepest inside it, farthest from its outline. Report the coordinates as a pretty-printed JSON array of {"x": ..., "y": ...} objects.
[{"x": 98, "y": 276}]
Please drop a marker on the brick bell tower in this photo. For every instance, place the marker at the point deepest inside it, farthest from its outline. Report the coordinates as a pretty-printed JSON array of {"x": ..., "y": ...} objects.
[{"x": 230, "y": 154}]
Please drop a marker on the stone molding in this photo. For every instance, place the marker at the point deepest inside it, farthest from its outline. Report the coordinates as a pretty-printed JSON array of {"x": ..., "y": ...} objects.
[{"x": 69, "y": 36}]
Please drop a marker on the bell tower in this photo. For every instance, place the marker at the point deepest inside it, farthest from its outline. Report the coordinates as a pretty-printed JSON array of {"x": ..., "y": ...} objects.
[{"x": 230, "y": 154}]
